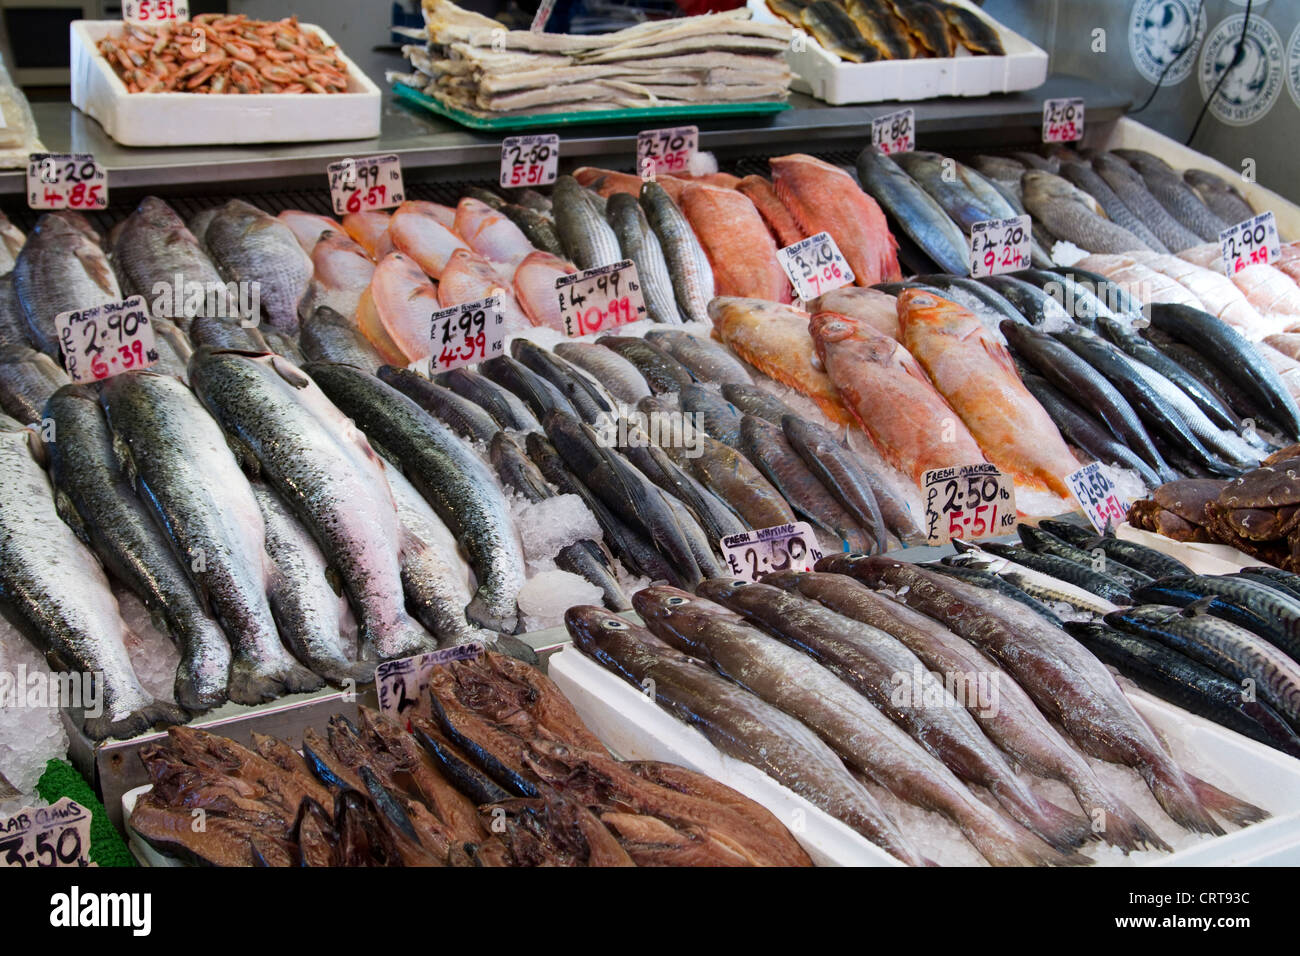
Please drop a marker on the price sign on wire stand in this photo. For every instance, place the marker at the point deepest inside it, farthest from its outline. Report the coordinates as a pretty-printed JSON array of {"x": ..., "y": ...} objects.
[
  {"x": 155, "y": 11},
  {"x": 968, "y": 502},
  {"x": 467, "y": 334},
  {"x": 1250, "y": 243},
  {"x": 529, "y": 160},
  {"x": 402, "y": 686},
  {"x": 670, "y": 150},
  {"x": 786, "y": 547},
  {"x": 895, "y": 132},
  {"x": 45, "y": 837},
  {"x": 1063, "y": 120},
  {"x": 815, "y": 266},
  {"x": 360, "y": 185},
  {"x": 598, "y": 299},
  {"x": 999, "y": 245},
  {"x": 542, "y": 15},
  {"x": 106, "y": 340},
  {"x": 1098, "y": 497},
  {"x": 66, "y": 181}
]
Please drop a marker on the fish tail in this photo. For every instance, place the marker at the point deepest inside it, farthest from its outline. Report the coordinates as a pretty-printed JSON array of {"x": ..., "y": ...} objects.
[
  {"x": 1116, "y": 823},
  {"x": 152, "y": 714},
  {"x": 1061, "y": 828},
  {"x": 1178, "y": 798},
  {"x": 1233, "y": 809},
  {"x": 1004, "y": 843}
]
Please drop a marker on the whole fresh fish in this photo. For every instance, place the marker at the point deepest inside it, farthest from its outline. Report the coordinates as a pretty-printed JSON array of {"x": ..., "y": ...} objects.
[
  {"x": 54, "y": 591},
  {"x": 449, "y": 475},
  {"x": 977, "y": 296},
  {"x": 1060, "y": 207},
  {"x": 756, "y": 400},
  {"x": 469, "y": 277},
  {"x": 688, "y": 266},
  {"x": 943, "y": 179},
  {"x": 774, "y": 339},
  {"x": 537, "y": 393},
  {"x": 914, "y": 211},
  {"x": 879, "y": 309},
  {"x": 1078, "y": 301},
  {"x": 98, "y": 502},
  {"x": 1014, "y": 723},
  {"x": 1171, "y": 676},
  {"x": 780, "y": 223},
  {"x": 307, "y": 227},
  {"x": 1037, "y": 307},
  {"x": 662, "y": 372},
  {"x": 638, "y": 242},
  {"x": 537, "y": 227},
  {"x": 248, "y": 245},
  {"x": 706, "y": 360},
  {"x": 327, "y": 336},
  {"x": 13, "y": 324},
  {"x": 156, "y": 256},
  {"x": 585, "y": 558},
  {"x": 870, "y": 659},
  {"x": 417, "y": 230},
  {"x": 1085, "y": 177},
  {"x": 978, "y": 378},
  {"x": 341, "y": 272},
  {"x": 963, "y": 570},
  {"x": 1220, "y": 195},
  {"x": 1063, "y": 678},
  {"x": 308, "y": 610},
  {"x": 490, "y": 233},
  {"x": 837, "y": 33},
  {"x": 1281, "y": 580},
  {"x": 737, "y": 722},
  {"x": 592, "y": 403},
  {"x": 191, "y": 483},
  {"x": 872, "y": 372},
  {"x": 717, "y": 417},
  {"x": 1110, "y": 293},
  {"x": 736, "y": 240},
  {"x": 841, "y": 473},
  {"x": 1259, "y": 609},
  {"x": 1044, "y": 542},
  {"x": 1063, "y": 569},
  {"x": 1175, "y": 195},
  {"x": 502, "y": 404},
  {"x": 466, "y": 419},
  {"x": 587, "y": 237},
  {"x": 60, "y": 269},
  {"x": 824, "y": 198},
  {"x": 1149, "y": 561},
  {"x": 27, "y": 380},
  {"x": 619, "y": 376},
  {"x": 766, "y": 446},
  {"x": 1043, "y": 586},
  {"x": 1216, "y": 379},
  {"x": 1133, "y": 192},
  {"x": 369, "y": 228},
  {"x": 223, "y": 334},
  {"x": 326, "y": 472}
]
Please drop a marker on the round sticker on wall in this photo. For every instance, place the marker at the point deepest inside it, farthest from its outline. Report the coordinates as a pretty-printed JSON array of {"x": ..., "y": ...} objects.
[
  {"x": 1293, "y": 65},
  {"x": 1159, "y": 31},
  {"x": 1256, "y": 76}
]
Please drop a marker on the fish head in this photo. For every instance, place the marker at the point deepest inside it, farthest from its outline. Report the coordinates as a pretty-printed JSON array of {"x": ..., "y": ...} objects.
[
  {"x": 830, "y": 328},
  {"x": 918, "y": 308},
  {"x": 722, "y": 590},
  {"x": 593, "y": 628}
]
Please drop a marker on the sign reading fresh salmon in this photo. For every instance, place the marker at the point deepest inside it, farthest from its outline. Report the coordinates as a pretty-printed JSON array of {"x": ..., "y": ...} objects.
[{"x": 106, "y": 340}]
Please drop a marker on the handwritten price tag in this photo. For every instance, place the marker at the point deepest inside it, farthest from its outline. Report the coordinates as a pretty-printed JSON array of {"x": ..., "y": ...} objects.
[
  {"x": 530, "y": 160},
  {"x": 467, "y": 334},
  {"x": 666, "y": 150},
  {"x": 968, "y": 502},
  {"x": 155, "y": 11},
  {"x": 106, "y": 340},
  {"x": 541, "y": 16},
  {"x": 44, "y": 837},
  {"x": 1063, "y": 120},
  {"x": 786, "y": 547},
  {"x": 1097, "y": 495},
  {"x": 895, "y": 132},
  {"x": 999, "y": 245},
  {"x": 599, "y": 299},
  {"x": 402, "y": 685},
  {"x": 66, "y": 181},
  {"x": 359, "y": 185},
  {"x": 815, "y": 266},
  {"x": 1250, "y": 243}
]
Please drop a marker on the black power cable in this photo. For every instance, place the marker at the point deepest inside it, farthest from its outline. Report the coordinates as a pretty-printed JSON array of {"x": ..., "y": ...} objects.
[
  {"x": 1191, "y": 41},
  {"x": 1236, "y": 60}
]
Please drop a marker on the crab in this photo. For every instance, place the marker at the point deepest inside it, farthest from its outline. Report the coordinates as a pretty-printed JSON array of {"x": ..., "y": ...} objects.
[{"x": 1272, "y": 486}]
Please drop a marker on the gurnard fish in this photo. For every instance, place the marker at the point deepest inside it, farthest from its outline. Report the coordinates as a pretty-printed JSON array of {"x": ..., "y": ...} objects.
[
  {"x": 780, "y": 223},
  {"x": 1063, "y": 678}
]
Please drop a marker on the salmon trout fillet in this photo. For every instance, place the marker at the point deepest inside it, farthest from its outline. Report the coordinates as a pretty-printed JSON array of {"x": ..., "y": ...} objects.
[
  {"x": 888, "y": 393},
  {"x": 824, "y": 198},
  {"x": 735, "y": 238},
  {"x": 779, "y": 221},
  {"x": 975, "y": 373},
  {"x": 774, "y": 339}
]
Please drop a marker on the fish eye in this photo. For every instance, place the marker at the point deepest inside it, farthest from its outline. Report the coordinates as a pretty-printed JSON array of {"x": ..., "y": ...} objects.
[
  {"x": 738, "y": 582},
  {"x": 674, "y": 601},
  {"x": 855, "y": 554},
  {"x": 614, "y": 624}
]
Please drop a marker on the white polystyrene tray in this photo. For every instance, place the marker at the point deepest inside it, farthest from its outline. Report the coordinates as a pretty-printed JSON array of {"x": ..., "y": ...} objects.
[
  {"x": 197, "y": 119},
  {"x": 1201, "y": 557},
  {"x": 829, "y": 78},
  {"x": 640, "y": 730}
]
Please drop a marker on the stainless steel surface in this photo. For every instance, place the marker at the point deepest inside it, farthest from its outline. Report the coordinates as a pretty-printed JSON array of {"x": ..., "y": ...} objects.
[{"x": 429, "y": 145}]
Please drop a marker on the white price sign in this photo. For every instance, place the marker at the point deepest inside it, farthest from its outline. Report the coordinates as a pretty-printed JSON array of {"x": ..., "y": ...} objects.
[
  {"x": 542, "y": 15},
  {"x": 467, "y": 334},
  {"x": 530, "y": 160},
  {"x": 1250, "y": 243},
  {"x": 401, "y": 685},
  {"x": 660, "y": 151},
  {"x": 968, "y": 502},
  {"x": 1063, "y": 120},
  {"x": 596, "y": 300},
  {"x": 815, "y": 266},
  {"x": 1097, "y": 495},
  {"x": 786, "y": 547},
  {"x": 66, "y": 181},
  {"x": 44, "y": 837},
  {"x": 895, "y": 132},
  {"x": 1000, "y": 245},
  {"x": 359, "y": 185},
  {"x": 155, "y": 11},
  {"x": 106, "y": 340}
]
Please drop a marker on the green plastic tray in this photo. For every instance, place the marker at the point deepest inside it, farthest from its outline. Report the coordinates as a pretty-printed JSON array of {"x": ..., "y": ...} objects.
[{"x": 582, "y": 117}]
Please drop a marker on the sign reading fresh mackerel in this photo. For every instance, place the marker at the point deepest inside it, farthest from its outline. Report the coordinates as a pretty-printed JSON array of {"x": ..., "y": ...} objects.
[
  {"x": 968, "y": 502},
  {"x": 785, "y": 547},
  {"x": 598, "y": 299}
]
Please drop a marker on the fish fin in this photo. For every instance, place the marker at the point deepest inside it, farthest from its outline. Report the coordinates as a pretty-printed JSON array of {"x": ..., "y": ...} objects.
[
  {"x": 156, "y": 713},
  {"x": 247, "y": 460},
  {"x": 1176, "y": 795},
  {"x": 289, "y": 372},
  {"x": 335, "y": 579},
  {"x": 1199, "y": 607},
  {"x": 1117, "y": 825},
  {"x": 122, "y": 452},
  {"x": 1233, "y": 809},
  {"x": 1000, "y": 354},
  {"x": 71, "y": 517}
]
